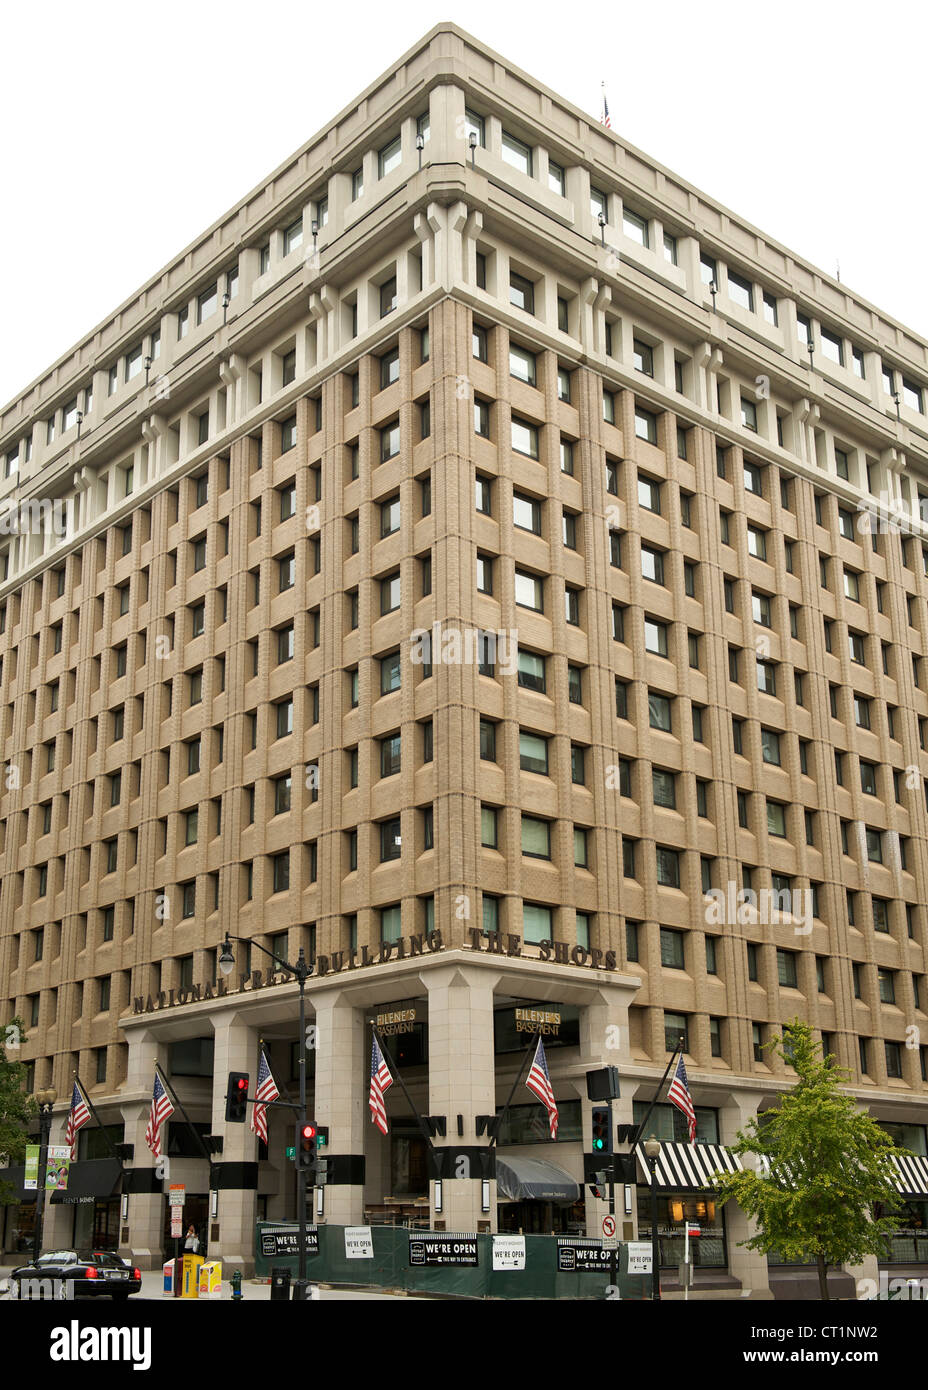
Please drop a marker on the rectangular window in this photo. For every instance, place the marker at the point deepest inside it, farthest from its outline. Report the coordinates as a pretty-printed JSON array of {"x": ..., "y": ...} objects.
[
  {"x": 390, "y": 157},
  {"x": 517, "y": 154},
  {"x": 521, "y": 293},
  {"x": 635, "y": 227},
  {"x": 740, "y": 291}
]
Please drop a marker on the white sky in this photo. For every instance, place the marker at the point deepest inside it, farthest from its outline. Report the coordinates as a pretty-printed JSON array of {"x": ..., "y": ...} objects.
[{"x": 130, "y": 128}]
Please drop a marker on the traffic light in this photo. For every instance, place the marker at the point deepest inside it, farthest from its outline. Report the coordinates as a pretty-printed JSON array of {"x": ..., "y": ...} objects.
[
  {"x": 602, "y": 1129},
  {"x": 599, "y": 1185},
  {"x": 237, "y": 1097},
  {"x": 306, "y": 1145}
]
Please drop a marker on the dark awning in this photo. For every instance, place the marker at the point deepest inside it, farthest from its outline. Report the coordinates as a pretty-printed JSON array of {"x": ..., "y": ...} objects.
[
  {"x": 690, "y": 1167},
  {"x": 90, "y": 1178},
  {"x": 16, "y": 1176},
  {"x": 534, "y": 1180}
]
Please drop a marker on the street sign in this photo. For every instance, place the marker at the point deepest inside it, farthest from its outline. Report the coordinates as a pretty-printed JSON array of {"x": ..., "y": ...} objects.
[
  {"x": 176, "y": 1194},
  {"x": 290, "y": 1151},
  {"x": 639, "y": 1257},
  {"x": 609, "y": 1226}
]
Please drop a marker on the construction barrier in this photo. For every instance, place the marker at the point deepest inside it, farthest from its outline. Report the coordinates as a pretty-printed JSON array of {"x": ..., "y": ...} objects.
[{"x": 519, "y": 1267}]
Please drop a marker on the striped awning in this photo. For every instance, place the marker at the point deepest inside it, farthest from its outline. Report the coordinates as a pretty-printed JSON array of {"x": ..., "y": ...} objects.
[
  {"x": 913, "y": 1176},
  {"x": 690, "y": 1167}
]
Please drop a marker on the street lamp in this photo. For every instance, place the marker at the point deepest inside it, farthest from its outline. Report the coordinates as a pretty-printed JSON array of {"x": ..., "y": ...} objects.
[
  {"x": 472, "y": 142},
  {"x": 713, "y": 290},
  {"x": 652, "y": 1149},
  {"x": 301, "y": 972},
  {"x": 420, "y": 146},
  {"x": 602, "y": 225},
  {"x": 45, "y": 1101}
]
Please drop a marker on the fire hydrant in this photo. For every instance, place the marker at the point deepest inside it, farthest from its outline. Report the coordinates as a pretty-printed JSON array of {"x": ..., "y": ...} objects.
[{"x": 236, "y": 1282}]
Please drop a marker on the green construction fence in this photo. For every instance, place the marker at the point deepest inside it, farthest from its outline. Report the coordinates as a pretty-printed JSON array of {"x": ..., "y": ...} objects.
[{"x": 390, "y": 1267}]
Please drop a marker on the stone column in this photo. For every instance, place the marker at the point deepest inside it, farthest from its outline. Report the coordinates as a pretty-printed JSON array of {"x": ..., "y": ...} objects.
[
  {"x": 750, "y": 1266},
  {"x": 142, "y": 1178},
  {"x": 235, "y": 1049},
  {"x": 604, "y": 1043},
  {"x": 462, "y": 1081},
  {"x": 341, "y": 1103}
]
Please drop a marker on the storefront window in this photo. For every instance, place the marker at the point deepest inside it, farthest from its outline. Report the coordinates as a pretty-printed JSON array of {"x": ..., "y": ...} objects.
[
  {"x": 669, "y": 1124},
  {"x": 673, "y": 1210},
  {"x": 528, "y": 1124}
]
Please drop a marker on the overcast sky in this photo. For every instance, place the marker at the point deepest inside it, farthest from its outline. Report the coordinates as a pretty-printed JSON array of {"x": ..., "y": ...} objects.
[{"x": 129, "y": 129}]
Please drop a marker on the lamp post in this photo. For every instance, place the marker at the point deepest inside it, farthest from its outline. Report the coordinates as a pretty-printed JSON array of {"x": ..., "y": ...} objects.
[
  {"x": 45, "y": 1100},
  {"x": 301, "y": 972},
  {"x": 602, "y": 225},
  {"x": 472, "y": 143},
  {"x": 652, "y": 1149},
  {"x": 420, "y": 146}
]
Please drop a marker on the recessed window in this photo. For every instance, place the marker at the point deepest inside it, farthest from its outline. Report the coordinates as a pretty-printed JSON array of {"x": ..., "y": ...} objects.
[
  {"x": 740, "y": 291},
  {"x": 521, "y": 293},
  {"x": 390, "y": 157},
  {"x": 533, "y": 753},
  {"x": 643, "y": 357},
  {"x": 832, "y": 347},
  {"x": 388, "y": 299},
  {"x": 522, "y": 364},
  {"x": 389, "y": 441},
  {"x": 529, "y": 591},
  {"x": 635, "y": 227},
  {"x": 524, "y": 437},
  {"x": 293, "y": 236},
  {"x": 645, "y": 425},
  {"x": 206, "y": 304},
  {"x": 556, "y": 178},
  {"x": 516, "y": 153},
  {"x": 526, "y": 513}
]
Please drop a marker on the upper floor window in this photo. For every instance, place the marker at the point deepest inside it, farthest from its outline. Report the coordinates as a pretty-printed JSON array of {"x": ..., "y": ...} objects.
[
  {"x": 635, "y": 227},
  {"x": 390, "y": 156},
  {"x": 516, "y": 153},
  {"x": 521, "y": 293},
  {"x": 556, "y": 178},
  {"x": 293, "y": 236},
  {"x": 206, "y": 304},
  {"x": 740, "y": 291}
]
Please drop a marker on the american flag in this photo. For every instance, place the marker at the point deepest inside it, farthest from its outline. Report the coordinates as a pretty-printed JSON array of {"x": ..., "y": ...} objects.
[
  {"x": 679, "y": 1095},
  {"x": 265, "y": 1092},
  {"x": 381, "y": 1081},
  {"x": 604, "y": 118},
  {"x": 77, "y": 1118},
  {"x": 161, "y": 1108},
  {"x": 539, "y": 1083}
]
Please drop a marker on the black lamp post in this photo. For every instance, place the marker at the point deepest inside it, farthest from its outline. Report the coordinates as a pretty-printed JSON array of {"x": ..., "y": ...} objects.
[
  {"x": 301, "y": 972},
  {"x": 45, "y": 1099},
  {"x": 652, "y": 1149}
]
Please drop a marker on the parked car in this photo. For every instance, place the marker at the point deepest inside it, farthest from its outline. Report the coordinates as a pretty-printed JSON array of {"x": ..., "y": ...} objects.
[{"x": 90, "y": 1273}]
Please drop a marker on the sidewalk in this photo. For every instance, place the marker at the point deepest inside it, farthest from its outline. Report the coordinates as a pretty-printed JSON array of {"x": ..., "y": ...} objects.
[{"x": 253, "y": 1291}]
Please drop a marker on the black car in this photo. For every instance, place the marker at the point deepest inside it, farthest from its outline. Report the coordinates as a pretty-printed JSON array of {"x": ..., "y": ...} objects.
[{"x": 75, "y": 1274}]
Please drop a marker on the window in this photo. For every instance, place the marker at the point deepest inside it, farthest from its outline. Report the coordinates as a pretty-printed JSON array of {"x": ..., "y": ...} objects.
[
  {"x": 482, "y": 495},
  {"x": 536, "y": 837},
  {"x": 672, "y": 949},
  {"x": 635, "y": 227},
  {"x": 599, "y": 203},
  {"x": 757, "y": 543},
  {"x": 521, "y": 293},
  {"x": 390, "y": 516},
  {"x": 670, "y": 248},
  {"x": 912, "y": 396},
  {"x": 748, "y": 415},
  {"x": 645, "y": 425},
  {"x": 556, "y": 178},
  {"x": 659, "y": 712},
  {"x": 529, "y": 591},
  {"x": 389, "y": 368},
  {"x": 388, "y": 300},
  {"x": 526, "y": 513},
  {"x": 649, "y": 494},
  {"x": 533, "y": 753},
  {"x": 489, "y": 828},
  {"x": 522, "y": 364},
  {"x": 293, "y": 236},
  {"x": 786, "y": 969},
  {"x": 481, "y": 417},
  {"x": 668, "y": 867},
  {"x": 664, "y": 788},
  {"x": 531, "y": 671},
  {"x": 832, "y": 347},
  {"x": 517, "y": 154},
  {"x": 655, "y": 637},
  {"x": 479, "y": 344},
  {"x": 390, "y": 593},
  {"x": 390, "y": 839},
  {"x": 766, "y": 677},
  {"x": 390, "y": 753},
  {"x": 389, "y": 441},
  {"x": 643, "y": 357},
  {"x": 287, "y": 434},
  {"x": 390, "y": 157},
  {"x": 390, "y": 673},
  {"x": 770, "y": 309},
  {"x": 740, "y": 291},
  {"x": 708, "y": 270}
]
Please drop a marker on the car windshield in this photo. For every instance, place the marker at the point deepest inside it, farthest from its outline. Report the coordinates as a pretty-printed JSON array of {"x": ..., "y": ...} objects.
[{"x": 56, "y": 1257}]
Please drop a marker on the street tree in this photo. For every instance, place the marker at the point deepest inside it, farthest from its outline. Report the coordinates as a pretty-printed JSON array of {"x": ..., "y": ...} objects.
[
  {"x": 16, "y": 1107},
  {"x": 824, "y": 1167}
]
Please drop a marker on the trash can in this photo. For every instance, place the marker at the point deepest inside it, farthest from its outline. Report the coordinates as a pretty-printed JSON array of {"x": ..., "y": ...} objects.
[
  {"x": 191, "y": 1276},
  {"x": 280, "y": 1284}
]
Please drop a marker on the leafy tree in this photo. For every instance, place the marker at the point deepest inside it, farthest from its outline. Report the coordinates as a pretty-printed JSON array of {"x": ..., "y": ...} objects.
[
  {"x": 16, "y": 1107},
  {"x": 828, "y": 1165}
]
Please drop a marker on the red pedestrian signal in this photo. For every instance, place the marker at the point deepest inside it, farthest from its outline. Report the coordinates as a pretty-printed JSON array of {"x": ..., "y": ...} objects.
[{"x": 237, "y": 1097}]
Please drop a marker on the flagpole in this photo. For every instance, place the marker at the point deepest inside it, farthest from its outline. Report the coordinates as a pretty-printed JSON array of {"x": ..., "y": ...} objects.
[
  {"x": 498, "y": 1121},
  {"x": 92, "y": 1108}
]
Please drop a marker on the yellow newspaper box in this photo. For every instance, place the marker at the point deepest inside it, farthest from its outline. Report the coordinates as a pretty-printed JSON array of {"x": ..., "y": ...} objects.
[
  {"x": 191, "y": 1276},
  {"x": 211, "y": 1279}
]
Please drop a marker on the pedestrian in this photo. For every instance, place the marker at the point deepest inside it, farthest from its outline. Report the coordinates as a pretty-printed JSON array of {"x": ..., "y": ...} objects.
[{"x": 192, "y": 1240}]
